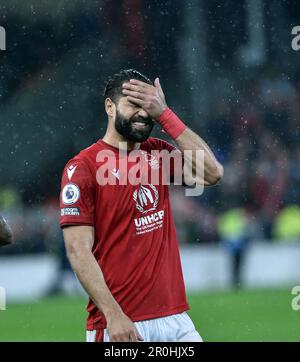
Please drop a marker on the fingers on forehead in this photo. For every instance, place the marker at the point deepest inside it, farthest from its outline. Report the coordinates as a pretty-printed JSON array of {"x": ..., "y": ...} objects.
[{"x": 135, "y": 100}]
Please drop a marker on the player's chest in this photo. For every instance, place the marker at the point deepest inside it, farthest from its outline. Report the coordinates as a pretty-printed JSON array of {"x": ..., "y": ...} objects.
[{"x": 130, "y": 183}]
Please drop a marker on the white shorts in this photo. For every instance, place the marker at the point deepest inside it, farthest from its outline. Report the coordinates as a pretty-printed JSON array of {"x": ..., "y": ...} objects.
[{"x": 174, "y": 328}]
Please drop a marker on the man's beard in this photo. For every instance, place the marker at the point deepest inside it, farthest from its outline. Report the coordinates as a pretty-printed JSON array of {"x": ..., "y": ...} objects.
[{"x": 135, "y": 129}]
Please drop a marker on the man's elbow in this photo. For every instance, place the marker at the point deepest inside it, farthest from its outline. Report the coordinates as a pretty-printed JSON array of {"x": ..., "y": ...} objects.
[
  {"x": 76, "y": 251},
  {"x": 73, "y": 253},
  {"x": 216, "y": 175}
]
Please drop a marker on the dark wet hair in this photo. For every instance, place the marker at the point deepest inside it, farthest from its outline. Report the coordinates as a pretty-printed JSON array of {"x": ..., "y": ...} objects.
[{"x": 113, "y": 87}]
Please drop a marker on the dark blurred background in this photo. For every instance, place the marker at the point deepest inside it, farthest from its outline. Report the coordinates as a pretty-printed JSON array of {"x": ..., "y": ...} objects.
[{"x": 227, "y": 69}]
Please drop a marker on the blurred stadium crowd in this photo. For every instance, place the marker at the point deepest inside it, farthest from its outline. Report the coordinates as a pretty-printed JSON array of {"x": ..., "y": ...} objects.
[{"x": 52, "y": 75}]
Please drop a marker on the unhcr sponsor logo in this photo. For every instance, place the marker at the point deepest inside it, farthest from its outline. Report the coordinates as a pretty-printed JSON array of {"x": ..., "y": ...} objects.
[{"x": 149, "y": 219}]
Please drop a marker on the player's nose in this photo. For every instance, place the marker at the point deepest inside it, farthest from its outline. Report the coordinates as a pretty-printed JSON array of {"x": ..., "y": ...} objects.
[{"x": 143, "y": 113}]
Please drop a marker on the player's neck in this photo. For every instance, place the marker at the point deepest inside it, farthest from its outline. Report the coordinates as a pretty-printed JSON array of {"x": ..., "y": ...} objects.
[{"x": 120, "y": 142}]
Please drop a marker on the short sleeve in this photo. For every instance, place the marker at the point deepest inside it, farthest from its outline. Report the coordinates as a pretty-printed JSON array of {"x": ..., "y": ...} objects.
[{"x": 77, "y": 195}]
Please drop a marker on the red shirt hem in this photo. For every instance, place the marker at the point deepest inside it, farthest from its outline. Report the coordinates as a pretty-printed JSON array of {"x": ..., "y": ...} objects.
[{"x": 99, "y": 325}]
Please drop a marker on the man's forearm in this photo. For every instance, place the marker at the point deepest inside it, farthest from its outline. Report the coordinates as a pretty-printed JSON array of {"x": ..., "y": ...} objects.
[
  {"x": 91, "y": 278},
  {"x": 187, "y": 140},
  {"x": 213, "y": 170},
  {"x": 5, "y": 232}
]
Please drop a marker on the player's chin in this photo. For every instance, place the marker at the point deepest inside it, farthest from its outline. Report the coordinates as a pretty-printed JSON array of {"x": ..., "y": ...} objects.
[{"x": 140, "y": 136}]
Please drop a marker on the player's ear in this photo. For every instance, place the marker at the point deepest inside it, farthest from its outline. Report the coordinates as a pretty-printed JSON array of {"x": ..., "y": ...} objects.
[{"x": 110, "y": 107}]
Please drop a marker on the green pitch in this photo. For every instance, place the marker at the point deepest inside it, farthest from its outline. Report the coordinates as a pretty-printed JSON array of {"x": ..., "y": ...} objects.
[{"x": 227, "y": 316}]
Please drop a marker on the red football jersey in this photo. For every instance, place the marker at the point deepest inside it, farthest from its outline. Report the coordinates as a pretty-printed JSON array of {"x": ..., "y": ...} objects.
[{"x": 135, "y": 244}]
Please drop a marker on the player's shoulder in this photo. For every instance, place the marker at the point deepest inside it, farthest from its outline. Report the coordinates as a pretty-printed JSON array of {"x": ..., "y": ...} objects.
[
  {"x": 153, "y": 143},
  {"x": 85, "y": 155},
  {"x": 83, "y": 160}
]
